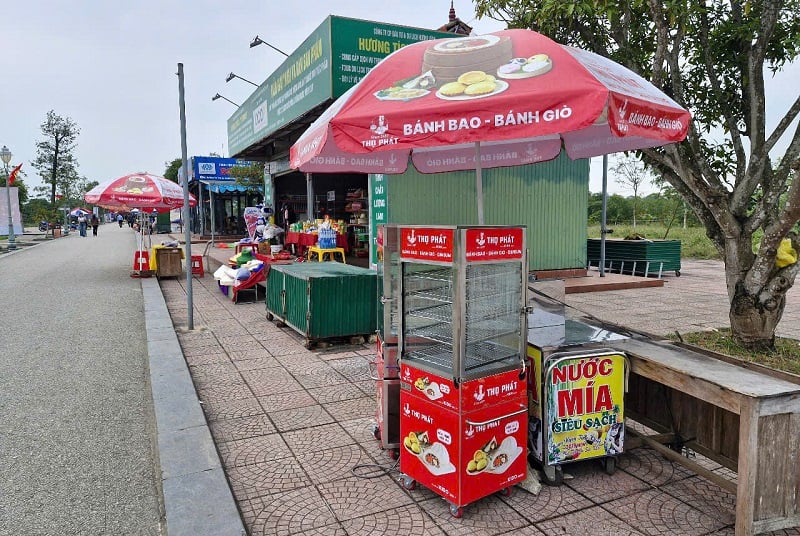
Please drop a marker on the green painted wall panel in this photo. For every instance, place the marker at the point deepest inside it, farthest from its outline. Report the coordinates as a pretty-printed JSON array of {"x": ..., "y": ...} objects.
[{"x": 550, "y": 198}]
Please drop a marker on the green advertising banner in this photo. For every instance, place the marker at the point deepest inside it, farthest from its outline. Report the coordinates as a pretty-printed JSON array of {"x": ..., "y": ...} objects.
[
  {"x": 378, "y": 212},
  {"x": 331, "y": 60},
  {"x": 358, "y": 45}
]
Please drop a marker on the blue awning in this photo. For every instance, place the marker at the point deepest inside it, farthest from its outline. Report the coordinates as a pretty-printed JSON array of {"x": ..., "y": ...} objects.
[{"x": 222, "y": 186}]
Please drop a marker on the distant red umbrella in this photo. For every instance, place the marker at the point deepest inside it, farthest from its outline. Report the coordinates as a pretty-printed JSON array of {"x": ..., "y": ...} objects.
[{"x": 138, "y": 190}]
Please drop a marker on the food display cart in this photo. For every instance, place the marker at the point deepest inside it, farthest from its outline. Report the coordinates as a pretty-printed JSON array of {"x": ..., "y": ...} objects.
[
  {"x": 385, "y": 369},
  {"x": 463, "y": 401},
  {"x": 576, "y": 385}
]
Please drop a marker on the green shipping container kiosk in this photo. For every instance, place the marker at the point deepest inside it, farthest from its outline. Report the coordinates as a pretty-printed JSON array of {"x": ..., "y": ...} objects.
[{"x": 323, "y": 300}]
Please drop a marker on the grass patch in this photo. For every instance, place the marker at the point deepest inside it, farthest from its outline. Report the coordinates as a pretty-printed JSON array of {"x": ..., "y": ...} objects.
[{"x": 786, "y": 356}]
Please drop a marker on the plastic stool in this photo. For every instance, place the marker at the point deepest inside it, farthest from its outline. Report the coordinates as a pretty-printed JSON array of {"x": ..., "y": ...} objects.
[
  {"x": 141, "y": 261},
  {"x": 197, "y": 265}
]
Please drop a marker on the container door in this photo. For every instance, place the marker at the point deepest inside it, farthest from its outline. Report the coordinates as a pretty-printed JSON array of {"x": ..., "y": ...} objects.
[
  {"x": 583, "y": 405},
  {"x": 275, "y": 294}
]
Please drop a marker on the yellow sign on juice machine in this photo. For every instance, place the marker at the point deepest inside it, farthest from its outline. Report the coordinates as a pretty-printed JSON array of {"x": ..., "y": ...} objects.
[{"x": 584, "y": 406}]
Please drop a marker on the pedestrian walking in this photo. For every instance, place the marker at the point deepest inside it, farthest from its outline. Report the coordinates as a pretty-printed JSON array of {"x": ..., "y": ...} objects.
[
  {"x": 82, "y": 224},
  {"x": 95, "y": 224},
  {"x": 119, "y": 220}
]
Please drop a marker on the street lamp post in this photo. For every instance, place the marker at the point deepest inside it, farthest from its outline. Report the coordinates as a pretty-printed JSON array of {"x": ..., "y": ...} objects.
[
  {"x": 6, "y": 155},
  {"x": 258, "y": 41}
]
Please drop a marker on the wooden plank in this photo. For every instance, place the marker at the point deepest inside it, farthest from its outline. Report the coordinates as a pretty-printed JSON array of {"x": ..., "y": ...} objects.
[
  {"x": 748, "y": 468},
  {"x": 771, "y": 471},
  {"x": 705, "y": 370}
]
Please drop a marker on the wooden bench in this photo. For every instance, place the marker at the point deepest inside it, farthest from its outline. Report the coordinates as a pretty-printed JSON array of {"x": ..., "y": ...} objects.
[{"x": 746, "y": 420}]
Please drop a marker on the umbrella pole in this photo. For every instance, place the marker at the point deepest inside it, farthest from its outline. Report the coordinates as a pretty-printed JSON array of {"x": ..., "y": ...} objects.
[
  {"x": 603, "y": 210},
  {"x": 479, "y": 182}
]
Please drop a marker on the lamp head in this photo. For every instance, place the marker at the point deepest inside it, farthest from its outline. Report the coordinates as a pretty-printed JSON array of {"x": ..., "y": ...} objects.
[
  {"x": 5, "y": 154},
  {"x": 230, "y": 77},
  {"x": 215, "y": 97},
  {"x": 255, "y": 42}
]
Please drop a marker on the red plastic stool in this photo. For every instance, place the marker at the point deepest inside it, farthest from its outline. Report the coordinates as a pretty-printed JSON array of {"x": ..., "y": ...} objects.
[
  {"x": 197, "y": 265},
  {"x": 141, "y": 261}
]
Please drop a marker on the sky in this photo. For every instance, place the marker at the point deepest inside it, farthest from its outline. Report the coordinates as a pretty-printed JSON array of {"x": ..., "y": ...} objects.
[{"x": 111, "y": 68}]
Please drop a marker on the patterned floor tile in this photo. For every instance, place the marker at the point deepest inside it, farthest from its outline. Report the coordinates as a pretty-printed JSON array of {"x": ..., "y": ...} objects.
[
  {"x": 654, "y": 513},
  {"x": 266, "y": 478},
  {"x": 261, "y": 449},
  {"x": 230, "y": 409},
  {"x": 291, "y": 400},
  {"x": 487, "y": 516},
  {"x": 198, "y": 371},
  {"x": 594, "y": 521},
  {"x": 552, "y": 501},
  {"x": 406, "y": 520},
  {"x": 212, "y": 357},
  {"x": 650, "y": 466},
  {"x": 255, "y": 352},
  {"x": 224, "y": 391},
  {"x": 270, "y": 381},
  {"x": 353, "y": 368},
  {"x": 336, "y": 463},
  {"x": 353, "y": 408},
  {"x": 590, "y": 480},
  {"x": 256, "y": 363},
  {"x": 298, "y": 511},
  {"x": 319, "y": 378},
  {"x": 355, "y": 497},
  {"x": 317, "y": 438},
  {"x": 299, "y": 418},
  {"x": 336, "y": 393},
  {"x": 241, "y": 428},
  {"x": 706, "y": 497}
]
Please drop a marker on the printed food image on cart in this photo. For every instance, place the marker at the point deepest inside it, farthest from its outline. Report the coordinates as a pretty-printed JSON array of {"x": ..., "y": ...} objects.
[
  {"x": 494, "y": 457},
  {"x": 430, "y": 389},
  {"x": 434, "y": 456},
  {"x": 467, "y": 68},
  {"x": 585, "y": 409}
]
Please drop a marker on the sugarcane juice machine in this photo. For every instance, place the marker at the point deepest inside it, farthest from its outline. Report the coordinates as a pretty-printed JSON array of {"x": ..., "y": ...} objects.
[{"x": 576, "y": 386}]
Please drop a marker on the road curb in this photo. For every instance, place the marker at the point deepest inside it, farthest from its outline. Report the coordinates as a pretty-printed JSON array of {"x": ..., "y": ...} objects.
[{"x": 197, "y": 498}]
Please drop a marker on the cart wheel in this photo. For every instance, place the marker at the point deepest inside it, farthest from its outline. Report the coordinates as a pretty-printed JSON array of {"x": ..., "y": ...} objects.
[
  {"x": 677, "y": 273},
  {"x": 308, "y": 345},
  {"x": 610, "y": 465},
  {"x": 270, "y": 316},
  {"x": 280, "y": 324},
  {"x": 376, "y": 432},
  {"x": 553, "y": 475},
  {"x": 456, "y": 511},
  {"x": 408, "y": 483},
  {"x": 506, "y": 492}
]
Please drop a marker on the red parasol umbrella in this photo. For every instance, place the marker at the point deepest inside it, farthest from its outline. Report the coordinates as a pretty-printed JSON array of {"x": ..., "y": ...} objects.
[
  {"x": 508, "y": 98},
  {"x": 138, "y": 190}
]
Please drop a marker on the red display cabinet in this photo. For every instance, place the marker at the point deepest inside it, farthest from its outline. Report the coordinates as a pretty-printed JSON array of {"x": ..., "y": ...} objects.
[{"x": 462, "y": 340}]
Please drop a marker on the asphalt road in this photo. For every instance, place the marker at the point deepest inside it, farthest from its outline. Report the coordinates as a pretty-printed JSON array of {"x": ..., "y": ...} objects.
[{"x": 77, "y": 443}]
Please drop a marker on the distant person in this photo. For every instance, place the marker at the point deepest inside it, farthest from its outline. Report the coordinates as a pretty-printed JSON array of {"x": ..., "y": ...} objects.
[
  {"x": 120, "y": 220},
  {"x": 95, "y": 224},
  {"x": 82, "y": 224}
]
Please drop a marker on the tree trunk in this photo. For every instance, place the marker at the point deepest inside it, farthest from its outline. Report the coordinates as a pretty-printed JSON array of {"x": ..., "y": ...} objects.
[{"x": 754, "y": 318}]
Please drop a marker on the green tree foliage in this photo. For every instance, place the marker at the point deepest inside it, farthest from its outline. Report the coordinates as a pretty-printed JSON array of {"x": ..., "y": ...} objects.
[
  {"x": 55, "y": 160},
  {"x": 172, "y": 168},
  {"x": 712, "y": 57}
]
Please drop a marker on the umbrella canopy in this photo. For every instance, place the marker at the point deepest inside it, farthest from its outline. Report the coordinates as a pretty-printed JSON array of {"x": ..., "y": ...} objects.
[
  {"x": 508, "y": 98},
  {"x": 138, "y": 190},
  {"x": 79, "y": 211}
]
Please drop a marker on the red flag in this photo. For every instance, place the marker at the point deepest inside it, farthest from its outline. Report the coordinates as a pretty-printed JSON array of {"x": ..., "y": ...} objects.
[{"x": 14, "y": 174}]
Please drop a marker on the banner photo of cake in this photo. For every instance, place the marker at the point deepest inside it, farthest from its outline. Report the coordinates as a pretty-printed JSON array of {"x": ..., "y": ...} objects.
[{"x": 466, "y": 68}]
